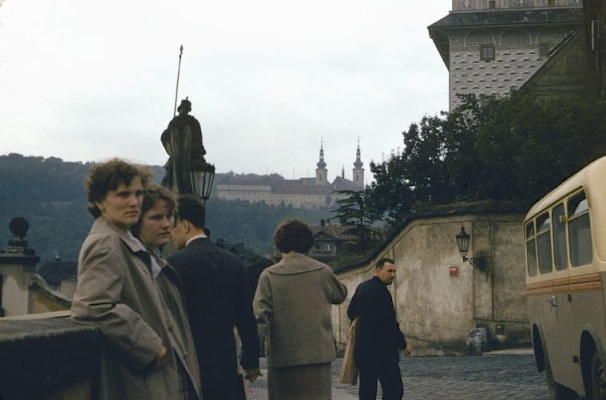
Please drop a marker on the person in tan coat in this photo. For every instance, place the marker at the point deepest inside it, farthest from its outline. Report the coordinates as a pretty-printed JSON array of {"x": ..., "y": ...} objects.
[
  {"x": 292, "y": 305},
  {"x": 153, "y": 230},
  {"x": 116, "y": 292}
]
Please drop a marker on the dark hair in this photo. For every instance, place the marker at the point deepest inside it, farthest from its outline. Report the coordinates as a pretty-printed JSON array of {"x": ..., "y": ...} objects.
[
  {"x": 191, "y": 208},
  {"x": 153, "y": 194},
  {"x": 107, "y": 176},
  {"x": 293, "y": 235},
  {"x": 381, "y": 263}
]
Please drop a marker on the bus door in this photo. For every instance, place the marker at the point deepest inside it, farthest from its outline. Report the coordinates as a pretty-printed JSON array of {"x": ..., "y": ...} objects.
[
  {"x": 566, "y": 372},
  {"x": 553, "y": 295}
]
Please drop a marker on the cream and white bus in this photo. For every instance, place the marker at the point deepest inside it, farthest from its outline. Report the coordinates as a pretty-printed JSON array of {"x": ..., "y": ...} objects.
[{"x": 565, "y": 235}]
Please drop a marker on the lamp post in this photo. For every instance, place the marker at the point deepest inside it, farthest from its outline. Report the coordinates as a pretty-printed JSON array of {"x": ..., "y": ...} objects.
[
  {"x": 201, "y": 180},
  {"x": 480, "y": 262}
]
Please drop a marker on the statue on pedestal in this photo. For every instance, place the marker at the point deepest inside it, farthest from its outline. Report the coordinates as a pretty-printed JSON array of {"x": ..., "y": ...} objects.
[{"x": 182, "y": 141}]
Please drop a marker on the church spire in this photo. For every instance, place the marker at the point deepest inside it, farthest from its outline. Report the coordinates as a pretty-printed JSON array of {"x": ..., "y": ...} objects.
[
  {"x": 358, "y": 171},
  {"x": 321, "y": 171}
]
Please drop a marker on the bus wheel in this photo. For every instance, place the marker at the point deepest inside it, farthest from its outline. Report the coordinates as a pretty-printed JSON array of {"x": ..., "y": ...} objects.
[
  {"x": 556, "y": 391},
  {"x": 598, "y": 378}
]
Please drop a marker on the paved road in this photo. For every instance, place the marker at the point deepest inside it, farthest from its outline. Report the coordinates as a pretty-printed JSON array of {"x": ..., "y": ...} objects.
[{"x": 493, "y": 377}]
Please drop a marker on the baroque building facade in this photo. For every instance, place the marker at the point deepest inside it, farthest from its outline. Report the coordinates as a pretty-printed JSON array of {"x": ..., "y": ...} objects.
[
  {"x": 492, "y": 47},
  {"x": 308, "y": 193}
]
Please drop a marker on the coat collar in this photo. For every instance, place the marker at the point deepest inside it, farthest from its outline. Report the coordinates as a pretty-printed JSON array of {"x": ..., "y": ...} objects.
[
  {"x": 197, "y": 241},
  {"x": 295, "y": 263},
  {"x": 103, "y": 225}
]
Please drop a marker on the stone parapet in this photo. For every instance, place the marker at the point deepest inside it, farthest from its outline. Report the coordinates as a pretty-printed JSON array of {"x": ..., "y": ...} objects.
[{"x": 47, "y": 356}]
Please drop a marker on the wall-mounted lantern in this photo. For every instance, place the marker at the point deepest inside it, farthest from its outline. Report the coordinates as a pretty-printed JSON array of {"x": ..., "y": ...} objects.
[{"x": 479, "y": 262}]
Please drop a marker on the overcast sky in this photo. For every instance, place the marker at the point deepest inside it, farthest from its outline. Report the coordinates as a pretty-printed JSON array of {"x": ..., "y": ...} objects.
[{"x": 269, "y": 80}]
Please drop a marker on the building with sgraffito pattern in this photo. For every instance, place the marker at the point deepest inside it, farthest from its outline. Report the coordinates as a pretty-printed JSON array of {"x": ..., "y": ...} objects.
[{"x": 492, "y": 47}]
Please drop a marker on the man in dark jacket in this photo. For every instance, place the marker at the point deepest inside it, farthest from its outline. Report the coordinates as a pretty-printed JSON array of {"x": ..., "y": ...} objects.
[
  {"x": 378, "y": 336},
  {"x": 218, "y": 299}
]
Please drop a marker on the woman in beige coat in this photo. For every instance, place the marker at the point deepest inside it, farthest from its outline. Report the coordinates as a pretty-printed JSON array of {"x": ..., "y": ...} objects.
[
  {"x": 117, "y": 293},
  {"x": 153, "y": 230},
  {"x": 292, "y": 305}
]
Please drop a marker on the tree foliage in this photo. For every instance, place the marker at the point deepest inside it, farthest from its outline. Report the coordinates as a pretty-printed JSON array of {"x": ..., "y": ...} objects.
[
  {"x": 356, "y": 211},
  {"x": 49, "y": 193},
  {"x": 514, "y": 149}
]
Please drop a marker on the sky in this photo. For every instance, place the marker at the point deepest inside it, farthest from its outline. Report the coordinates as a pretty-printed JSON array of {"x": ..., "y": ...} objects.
[{"x": 269, "y": 80}]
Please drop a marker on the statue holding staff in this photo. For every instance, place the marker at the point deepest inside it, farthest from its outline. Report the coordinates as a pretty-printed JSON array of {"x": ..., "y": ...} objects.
[{"x": 182, "y": 141}]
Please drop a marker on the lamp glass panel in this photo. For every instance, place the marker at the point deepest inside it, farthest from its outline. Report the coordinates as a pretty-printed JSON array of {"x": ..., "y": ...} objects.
[{"x": 463, "y": 242}]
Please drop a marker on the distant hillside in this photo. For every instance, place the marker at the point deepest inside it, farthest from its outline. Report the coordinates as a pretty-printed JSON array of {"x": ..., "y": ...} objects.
[{"x": 49, "y": 193}]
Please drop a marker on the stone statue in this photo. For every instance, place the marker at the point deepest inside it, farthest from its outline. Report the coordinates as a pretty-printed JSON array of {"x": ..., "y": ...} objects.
[{"x": 182, "y": 141}]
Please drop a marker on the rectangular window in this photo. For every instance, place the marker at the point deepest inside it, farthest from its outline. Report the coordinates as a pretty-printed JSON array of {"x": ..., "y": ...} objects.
[
  {"x": 492, "y": 4},
  {"x": 531, "y": 250},
  {"x": 579, "y": 228},
  {"x": 544, "y": 243},
  {"x": 558, "y": 219},
  {"x": 487, "y": 52},
  {"x": 551, "y": 2}
]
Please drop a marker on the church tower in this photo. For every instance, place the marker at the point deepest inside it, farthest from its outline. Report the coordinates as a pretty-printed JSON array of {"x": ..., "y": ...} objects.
[
  {"x": 491, "y": 47},
  {"x": 321, "y": 171},
  {"x": 358, "y": 171}
]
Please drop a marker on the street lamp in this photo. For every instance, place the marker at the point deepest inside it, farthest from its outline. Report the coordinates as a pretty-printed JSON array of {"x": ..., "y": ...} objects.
[
  {"x": 480, "y": 262},
  {"x": 201, "y": 180}
]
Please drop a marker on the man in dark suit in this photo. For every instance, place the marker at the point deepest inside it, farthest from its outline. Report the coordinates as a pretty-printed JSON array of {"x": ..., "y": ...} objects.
[
  {"x": 378, "y": 336},
  {"x": 218, "y": 299}
]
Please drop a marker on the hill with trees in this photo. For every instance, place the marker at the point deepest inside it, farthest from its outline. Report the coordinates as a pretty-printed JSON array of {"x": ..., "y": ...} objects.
[{"x": 49, "y": 193}]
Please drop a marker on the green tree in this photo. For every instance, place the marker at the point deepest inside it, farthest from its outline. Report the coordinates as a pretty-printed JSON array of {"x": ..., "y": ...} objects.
[
  {"x": 357, "y": 211},
  {"x": 513, "y": 149}
]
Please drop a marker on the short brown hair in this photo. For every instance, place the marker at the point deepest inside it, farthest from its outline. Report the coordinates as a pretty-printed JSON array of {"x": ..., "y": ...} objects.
[
  {"x": 107, "y": 176},
  {"x": 293, "y": 235},
  {"x": 153, "y": 194}
]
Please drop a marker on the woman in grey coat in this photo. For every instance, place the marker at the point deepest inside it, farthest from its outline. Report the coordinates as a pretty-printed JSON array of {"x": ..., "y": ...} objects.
[
  {"x": 292, "y": 305},
  {"x": 117, "y": 292}
]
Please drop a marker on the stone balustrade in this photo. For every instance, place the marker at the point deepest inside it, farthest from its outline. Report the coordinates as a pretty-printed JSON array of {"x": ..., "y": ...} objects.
[{"x": 47, "y": 357}]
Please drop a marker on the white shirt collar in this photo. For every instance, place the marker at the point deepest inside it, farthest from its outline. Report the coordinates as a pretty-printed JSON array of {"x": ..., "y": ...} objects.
[{"x": 191, "y": 239}]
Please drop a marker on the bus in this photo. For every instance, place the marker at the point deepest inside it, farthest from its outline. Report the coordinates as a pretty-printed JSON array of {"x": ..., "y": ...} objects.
[{"x": 565, "y": 234}]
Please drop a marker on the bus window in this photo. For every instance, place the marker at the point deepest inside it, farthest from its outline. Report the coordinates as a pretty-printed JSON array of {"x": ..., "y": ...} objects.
[
  {"x": 580, "y": 230},
  {"x": 531, "y": 250},
  {"x": 558, "y": 219},
  {"x": 544, "y": 243}
]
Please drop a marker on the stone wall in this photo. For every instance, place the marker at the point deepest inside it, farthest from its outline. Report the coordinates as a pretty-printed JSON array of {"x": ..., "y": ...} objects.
[
  {"x": 438, "y": 309},
  {"x": 47, "y": 357}
]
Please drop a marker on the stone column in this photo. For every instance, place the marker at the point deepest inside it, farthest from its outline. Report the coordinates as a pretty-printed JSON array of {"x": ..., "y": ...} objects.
[{"x": 17, "y": 266}]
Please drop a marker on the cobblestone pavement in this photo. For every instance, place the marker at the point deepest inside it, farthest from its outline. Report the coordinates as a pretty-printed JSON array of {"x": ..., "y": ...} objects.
[{"x": 493, "y": 377}]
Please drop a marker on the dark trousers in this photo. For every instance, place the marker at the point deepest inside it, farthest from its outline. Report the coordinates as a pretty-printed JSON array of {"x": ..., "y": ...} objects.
[
  {"x": 227, "y": 389},
  {"x": 388, "y": 374}
]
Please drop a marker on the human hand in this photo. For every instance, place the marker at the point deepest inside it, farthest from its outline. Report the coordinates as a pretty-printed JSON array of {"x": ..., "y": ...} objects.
[
  {"x": 160, "y": 358},
  {"x": 252, "y": 374},
  {"x": 408, "y": 349}
]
